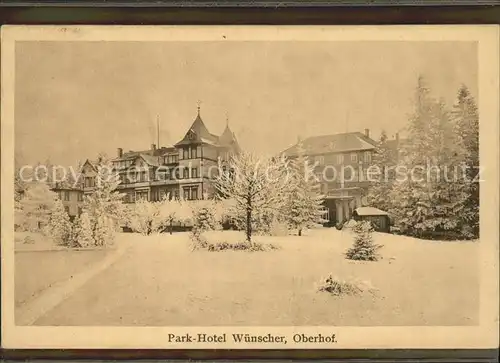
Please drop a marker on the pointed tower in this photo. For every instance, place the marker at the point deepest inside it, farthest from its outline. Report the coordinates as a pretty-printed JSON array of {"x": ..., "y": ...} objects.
[
  {"x": 198, "y": 132},
  {"x": 228, "y": 138}
]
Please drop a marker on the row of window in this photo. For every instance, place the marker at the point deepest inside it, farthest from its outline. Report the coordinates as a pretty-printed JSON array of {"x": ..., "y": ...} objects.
[
  {"x": 353, "y": 157},
  {"x": 65, "y": 195},
  {"x": 189, "y": 193},
  {"x": 172, "y": 174},
  {"x": 190, "y": 152}
]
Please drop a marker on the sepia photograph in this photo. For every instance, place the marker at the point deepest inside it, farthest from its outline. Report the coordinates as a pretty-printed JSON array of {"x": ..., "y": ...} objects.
[{"x": 262, "y": 187}]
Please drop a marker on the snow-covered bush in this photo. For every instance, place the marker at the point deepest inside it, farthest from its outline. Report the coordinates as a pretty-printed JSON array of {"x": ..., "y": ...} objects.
[
  {"x": 340, "y": 287},
  {"x": 146, "y": 218},
  {"x": 364, "y": 247}
]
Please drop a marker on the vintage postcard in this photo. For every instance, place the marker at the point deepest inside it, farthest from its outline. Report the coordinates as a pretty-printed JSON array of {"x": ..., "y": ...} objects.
[{"x": 250, "y": 187}]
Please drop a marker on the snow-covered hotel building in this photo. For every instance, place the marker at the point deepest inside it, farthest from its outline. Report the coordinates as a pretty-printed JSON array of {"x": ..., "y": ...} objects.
[
  {"x": 180, "y": 170},
  {"x": 341, "y": 162}
]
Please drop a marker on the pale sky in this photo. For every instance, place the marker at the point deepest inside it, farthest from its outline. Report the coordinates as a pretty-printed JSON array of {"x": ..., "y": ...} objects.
[{"x": 76, "y": 99}]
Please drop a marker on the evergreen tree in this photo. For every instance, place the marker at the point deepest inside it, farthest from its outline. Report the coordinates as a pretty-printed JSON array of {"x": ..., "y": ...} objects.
[
  {"x": 409, "y": 192},
  {"x": 59, "y": 225},
  {"x": 466, "y": 117},
  {"x": 429, "y": 199},
  {"x": 305, "y": 202},
  {"x": 82, "y": 231},
  {"x": 204, "y": 216},
  {"x": 364, "y": 247},
  {"x": 381, "y": 184}
]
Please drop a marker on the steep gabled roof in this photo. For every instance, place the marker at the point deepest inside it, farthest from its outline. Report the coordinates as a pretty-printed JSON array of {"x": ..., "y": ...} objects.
[
  {"x": 227, "y": 136},
  {"x": 91, "y": 163},
  {"x": 198, "y": 132},
  {"x": 350, "y": 141}
]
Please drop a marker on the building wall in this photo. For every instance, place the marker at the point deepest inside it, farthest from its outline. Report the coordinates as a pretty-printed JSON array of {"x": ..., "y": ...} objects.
[{"x": 72, "y": 201}]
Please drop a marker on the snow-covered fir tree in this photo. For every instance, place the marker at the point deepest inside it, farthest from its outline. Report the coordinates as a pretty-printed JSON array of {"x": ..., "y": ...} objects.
[
  {"x": 59, "y": 225},
  {"x": 205, "y": 217},
  {"x": 428, "y": 197},
  {"x": 258, "y": 186},
  {"x": 364, "y": 248},
  {"x": 466, "y": 117},
  {"x": 304, "y": 207},
  {"x": 381, "y": 182},
  {"x": 82, "y": 235}
]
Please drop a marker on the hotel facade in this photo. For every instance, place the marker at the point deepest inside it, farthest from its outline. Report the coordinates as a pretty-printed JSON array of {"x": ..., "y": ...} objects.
[
  {"x": 186, "y": 169},
  {"x": 341, "y": 163},
  {"x": 182, "y": 170}
]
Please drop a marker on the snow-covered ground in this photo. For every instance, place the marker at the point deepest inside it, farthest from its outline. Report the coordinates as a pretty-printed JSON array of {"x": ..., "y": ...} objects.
[{"x": 160, "y": 282}]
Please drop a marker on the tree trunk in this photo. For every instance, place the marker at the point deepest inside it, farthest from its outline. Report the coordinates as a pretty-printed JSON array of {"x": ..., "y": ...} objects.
[
  {"x": 300, "y": 232},
  {"x": 171, "y": 226},
  {"x": 249, "y": 220}
]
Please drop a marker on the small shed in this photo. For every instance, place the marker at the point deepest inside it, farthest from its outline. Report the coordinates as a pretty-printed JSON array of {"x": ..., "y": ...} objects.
[{"x": 378, "y": 218}]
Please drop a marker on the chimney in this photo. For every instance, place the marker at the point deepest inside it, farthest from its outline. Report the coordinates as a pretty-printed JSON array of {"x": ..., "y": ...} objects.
[
  {"x": 153, "y": 147},
  {"x": 119, "y": 152},
  {"x": 367, "y": 132}
]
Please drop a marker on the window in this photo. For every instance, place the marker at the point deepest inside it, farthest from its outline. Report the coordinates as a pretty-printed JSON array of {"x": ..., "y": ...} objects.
[
  {"x": 142, "y": 176},
  {"x": 340, "y": 159},
  {"x": 171, "y": 159},
  {"x": 141, "y": 195},
  {"x": 347, "y": 174},
  {"x": 354, "y": 158},
  {"x": 185, "y": 173},
  {"x": 80, "y": 197},
  {"x": 66, "y": 195},
  {"x": 156, "y": 194},
  {"x": 186, "y": 193},
  {"x": 89, "y": 182},
  {"x": 185, "y": 153},
  {"x": 194, "y": 193},
  {"x": 194, "y": 152},
  {"x": 368, "y": 157},
  {"x": 162, "y": 174},
  {"x": 320, "y": 160},
  {"x": 194, "y": 173}
]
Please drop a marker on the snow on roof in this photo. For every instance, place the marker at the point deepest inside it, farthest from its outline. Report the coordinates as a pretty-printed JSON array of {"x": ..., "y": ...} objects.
[
  {"x": 350, "y": 141},
  {"x": 370, "y": 211}
]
